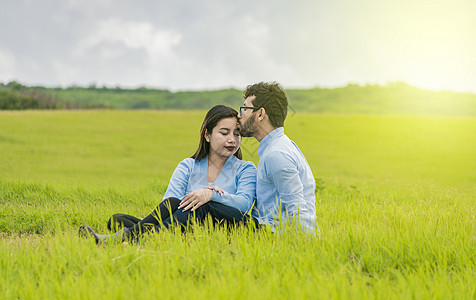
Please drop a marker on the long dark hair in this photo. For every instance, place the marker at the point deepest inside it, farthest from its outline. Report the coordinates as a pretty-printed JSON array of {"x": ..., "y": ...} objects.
[{"x": 214, "y": 115}]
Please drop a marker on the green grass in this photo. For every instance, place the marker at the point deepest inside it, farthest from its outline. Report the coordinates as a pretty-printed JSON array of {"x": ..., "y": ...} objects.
[{"x": 395, "y": 206}]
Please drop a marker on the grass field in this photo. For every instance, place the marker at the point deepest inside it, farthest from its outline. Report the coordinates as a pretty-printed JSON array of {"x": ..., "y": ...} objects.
[{"x": 395, "y": 203}]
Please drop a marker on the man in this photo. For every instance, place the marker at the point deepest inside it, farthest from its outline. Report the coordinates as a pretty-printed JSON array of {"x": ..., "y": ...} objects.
[{"x": 285, "y": 185}]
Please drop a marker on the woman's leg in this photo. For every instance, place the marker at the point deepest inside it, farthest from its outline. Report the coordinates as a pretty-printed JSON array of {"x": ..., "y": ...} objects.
[
  {"x": 161, "y": 212},
  {"x": 183, "y": 218},
  {"x": 130, "y": 233},
  {"x": 118, "y": 221},
  {"x": 223, "y": 214},
  {"x": 220, "y": 214}
]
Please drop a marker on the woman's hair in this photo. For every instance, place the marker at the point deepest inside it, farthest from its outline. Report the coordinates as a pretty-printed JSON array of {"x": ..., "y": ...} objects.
[{"x": 214, "y": 115}]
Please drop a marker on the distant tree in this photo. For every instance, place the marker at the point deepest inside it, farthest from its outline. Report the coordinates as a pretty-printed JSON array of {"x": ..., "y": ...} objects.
[
  {"x": 141, "y": 105},
  {"x": 15, "y": 86}
]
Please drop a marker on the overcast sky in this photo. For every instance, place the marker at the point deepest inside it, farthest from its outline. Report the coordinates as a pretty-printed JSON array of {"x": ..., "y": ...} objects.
[{"x": 209, "y": 44}]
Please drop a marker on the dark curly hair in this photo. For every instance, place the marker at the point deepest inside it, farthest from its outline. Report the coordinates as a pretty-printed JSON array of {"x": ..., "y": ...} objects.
[{"x": 270, "y": 96}]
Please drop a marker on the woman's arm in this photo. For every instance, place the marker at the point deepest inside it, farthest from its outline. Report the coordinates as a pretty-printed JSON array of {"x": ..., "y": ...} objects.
[
  {"x": 179, "y": 181},
  {"x": 245, "y": 193},
  {"x": 196, "y": 199}
]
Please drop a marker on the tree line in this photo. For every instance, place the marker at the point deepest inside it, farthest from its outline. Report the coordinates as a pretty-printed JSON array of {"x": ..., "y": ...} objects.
[
  {"x": 388, "y": 99},
  {"x": 15, "y": 96}
]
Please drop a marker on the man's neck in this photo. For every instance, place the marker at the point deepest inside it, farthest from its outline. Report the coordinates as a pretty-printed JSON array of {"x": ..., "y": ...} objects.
[{"x": 263, "y": 131}]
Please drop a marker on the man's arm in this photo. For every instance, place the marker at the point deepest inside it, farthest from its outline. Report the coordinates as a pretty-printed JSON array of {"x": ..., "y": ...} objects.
[{"x": 282, "y": 170}]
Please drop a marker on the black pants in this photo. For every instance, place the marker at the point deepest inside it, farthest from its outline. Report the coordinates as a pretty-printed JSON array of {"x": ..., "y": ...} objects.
[
  {"x": 169, "y": 213},
  {"x": 220, "y": 215},
  {"x": 136, "y": 226}
]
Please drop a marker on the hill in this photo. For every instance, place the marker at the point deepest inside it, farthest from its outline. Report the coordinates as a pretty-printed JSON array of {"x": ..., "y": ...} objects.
[{"x": 390, "y": 99}]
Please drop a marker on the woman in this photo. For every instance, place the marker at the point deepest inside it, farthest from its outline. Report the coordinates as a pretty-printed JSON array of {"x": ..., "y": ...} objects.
[{"x": 214, "y": 181}]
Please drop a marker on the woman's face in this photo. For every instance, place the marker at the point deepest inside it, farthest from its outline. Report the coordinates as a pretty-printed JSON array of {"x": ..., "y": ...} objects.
[{"x": 225, "y": 137}]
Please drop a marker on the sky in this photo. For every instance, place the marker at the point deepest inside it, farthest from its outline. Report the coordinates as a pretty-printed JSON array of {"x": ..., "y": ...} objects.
[{"x": 212, "y": 44}]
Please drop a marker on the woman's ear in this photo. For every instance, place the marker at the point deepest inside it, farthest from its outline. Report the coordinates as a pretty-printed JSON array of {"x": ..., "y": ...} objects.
[{"x": 207, "y": 137}]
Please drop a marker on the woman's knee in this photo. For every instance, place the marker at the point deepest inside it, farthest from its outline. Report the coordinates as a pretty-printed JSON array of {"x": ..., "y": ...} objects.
[
  {"x": 172, "y": 203},
  {"x": 114, "y": 222},
  {"x": 117, "y": 221}
]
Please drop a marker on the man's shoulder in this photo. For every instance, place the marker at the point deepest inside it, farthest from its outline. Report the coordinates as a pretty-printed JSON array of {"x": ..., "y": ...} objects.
[
  {"x": 279, "y": 147},
  {"x": 278, "y": 156},
  {"x": 282, "y": 150}
]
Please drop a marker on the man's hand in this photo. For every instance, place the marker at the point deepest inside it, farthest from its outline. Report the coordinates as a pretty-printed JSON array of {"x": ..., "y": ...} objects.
[{"x": 196, "y": 199}]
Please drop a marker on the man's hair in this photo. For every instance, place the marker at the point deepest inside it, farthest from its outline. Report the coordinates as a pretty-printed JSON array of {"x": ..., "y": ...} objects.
[{"x": 270, "y": 96}]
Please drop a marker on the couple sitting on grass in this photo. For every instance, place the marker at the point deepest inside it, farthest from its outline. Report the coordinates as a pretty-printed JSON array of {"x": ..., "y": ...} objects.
[{"x": 216, "y": 183}]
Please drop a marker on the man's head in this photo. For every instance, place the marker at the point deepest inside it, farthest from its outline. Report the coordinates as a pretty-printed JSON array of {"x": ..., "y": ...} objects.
[{"x": 267, "y": 102}]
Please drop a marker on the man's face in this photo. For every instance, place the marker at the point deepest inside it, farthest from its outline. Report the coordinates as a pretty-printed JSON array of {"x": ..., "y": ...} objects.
[{"x": 247, "y": 119}]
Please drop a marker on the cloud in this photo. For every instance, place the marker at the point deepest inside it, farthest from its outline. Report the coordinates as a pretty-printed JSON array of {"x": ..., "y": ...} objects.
[
  {"x": 7, "y": 64},
  {"x": 158, "y": 44},
  {"x": 218, "y": 43}
]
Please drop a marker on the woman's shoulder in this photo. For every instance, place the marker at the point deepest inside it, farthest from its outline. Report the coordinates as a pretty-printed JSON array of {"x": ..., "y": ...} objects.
[
  {"x": 188, "y": 163},
  {"x": 242, "y": 164},
  {"x": 188, "y": 160}
]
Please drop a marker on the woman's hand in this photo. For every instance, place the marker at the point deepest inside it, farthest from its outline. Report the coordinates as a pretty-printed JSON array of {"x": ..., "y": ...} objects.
[
  {"x": 196, "y": 199},
  {"x": 216, "y": 189}
]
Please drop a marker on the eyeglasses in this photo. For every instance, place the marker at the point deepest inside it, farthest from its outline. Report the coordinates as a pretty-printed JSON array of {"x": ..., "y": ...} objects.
[{"x": 254, "y": 108}]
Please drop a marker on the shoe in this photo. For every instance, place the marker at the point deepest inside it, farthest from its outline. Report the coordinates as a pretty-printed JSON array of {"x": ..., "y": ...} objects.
[{"x": 87, "y": 232}]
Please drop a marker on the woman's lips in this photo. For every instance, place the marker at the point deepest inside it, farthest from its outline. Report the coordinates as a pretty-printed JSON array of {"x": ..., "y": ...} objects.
[{"x": 230, "y": 148}]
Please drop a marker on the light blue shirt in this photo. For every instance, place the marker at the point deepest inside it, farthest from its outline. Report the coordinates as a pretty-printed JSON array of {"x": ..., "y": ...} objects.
[
  {"x": 237, "y": 179},
  {"x": 285, "y": 185}
]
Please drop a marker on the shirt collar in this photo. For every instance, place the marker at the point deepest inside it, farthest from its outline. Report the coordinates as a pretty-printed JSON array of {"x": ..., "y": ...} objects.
[{"x": 268, "y": 139}]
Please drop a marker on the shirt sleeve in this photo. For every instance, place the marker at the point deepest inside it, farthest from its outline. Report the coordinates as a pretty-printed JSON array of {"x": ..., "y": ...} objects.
[
  {"x": 282, "y": 170},
  {"x": 245, "y": 193},
  {"x": 179, "y": 181}
]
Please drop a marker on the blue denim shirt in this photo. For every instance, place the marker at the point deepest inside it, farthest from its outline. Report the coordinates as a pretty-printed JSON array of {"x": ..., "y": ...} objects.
[
  {"x": 285, "y": 185},
  {"x": 237, "y": 179}
]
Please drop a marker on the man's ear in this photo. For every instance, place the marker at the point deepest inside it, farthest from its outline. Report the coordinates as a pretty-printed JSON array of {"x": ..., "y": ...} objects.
[{"x": 261, "y": 113}]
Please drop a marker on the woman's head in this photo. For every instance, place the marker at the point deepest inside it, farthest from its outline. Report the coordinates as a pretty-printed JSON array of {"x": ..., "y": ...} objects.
[{"x": 219, "y": 133}]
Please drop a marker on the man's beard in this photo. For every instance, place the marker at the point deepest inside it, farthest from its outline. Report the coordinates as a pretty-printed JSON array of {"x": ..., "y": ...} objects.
[{"x": 248, "y": 128}]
